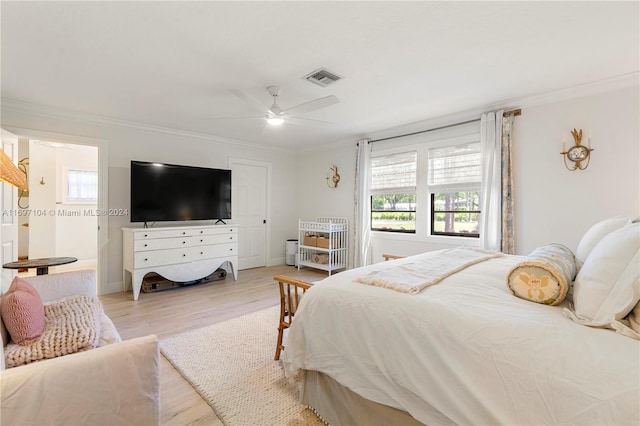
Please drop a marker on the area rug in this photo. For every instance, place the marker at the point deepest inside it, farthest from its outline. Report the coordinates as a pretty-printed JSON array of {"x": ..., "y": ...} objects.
[{"x": 230, "y": 364}]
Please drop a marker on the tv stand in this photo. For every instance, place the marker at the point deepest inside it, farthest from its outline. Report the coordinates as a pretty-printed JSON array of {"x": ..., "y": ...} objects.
[
  {"x": 220, "y": 220},
  {"x": 178, "y": 253}
]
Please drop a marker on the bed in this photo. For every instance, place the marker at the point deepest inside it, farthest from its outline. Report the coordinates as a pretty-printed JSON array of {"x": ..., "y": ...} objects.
[{"x": 466, "y": 350}]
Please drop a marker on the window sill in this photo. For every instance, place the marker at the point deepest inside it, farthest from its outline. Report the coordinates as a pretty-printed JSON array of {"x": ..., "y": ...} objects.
[{"x": 443, "y": 239}]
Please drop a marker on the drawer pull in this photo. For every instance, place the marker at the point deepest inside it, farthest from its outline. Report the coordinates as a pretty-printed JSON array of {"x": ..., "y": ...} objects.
[
  {"x": 146, "y": 235},
  {"x": 184, "y": 242},
  {"x": 201, "y": 240},
  {"x": 146, "y": 245},
  {"x": 183, "y": 233},
  {"x": 145, "y": 259},
  {"x": 202, "y": 232},
  {"x": 184, "y": 255},
  {"x": 230, "y": 249},
  {"x": 231, "y": 238},
  {"x": 201, "y": 252}
]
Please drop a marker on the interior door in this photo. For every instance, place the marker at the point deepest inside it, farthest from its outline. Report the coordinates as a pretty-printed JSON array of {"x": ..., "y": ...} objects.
[
  {"x": 249, "y": 181},
  {"x": 9, "y": 217}
]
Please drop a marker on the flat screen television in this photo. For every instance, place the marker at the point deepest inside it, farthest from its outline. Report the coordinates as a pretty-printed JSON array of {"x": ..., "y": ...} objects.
[{"x": 169, "y": 192}]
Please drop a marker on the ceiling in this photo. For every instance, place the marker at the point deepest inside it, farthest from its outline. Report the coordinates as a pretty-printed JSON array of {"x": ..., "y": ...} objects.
[{"x": 173, "y": 64}]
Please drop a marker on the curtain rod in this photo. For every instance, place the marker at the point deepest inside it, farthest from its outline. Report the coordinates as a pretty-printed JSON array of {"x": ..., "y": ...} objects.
[{"x": 514, "y": 113}]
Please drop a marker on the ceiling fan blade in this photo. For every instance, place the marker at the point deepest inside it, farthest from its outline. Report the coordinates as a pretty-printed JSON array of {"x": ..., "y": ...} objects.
[
  {"x": 307, "y": 121},
  {"x": 255, "y": 104},
  {"x": 314, "y": 105},
  {"x": 233, "y": 118}
]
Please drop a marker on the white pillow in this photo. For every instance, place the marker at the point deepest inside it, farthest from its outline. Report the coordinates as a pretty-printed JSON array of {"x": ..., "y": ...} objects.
[
  {"x": 608, "y": 286},
  {"x": 596, "y": 233}
]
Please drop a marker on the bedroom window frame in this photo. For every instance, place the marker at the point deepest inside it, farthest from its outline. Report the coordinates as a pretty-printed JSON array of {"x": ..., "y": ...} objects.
[
  {"x": 397, "y": 182},
  {"x": 421, "y": 144},
  {"x": 465, "y": 178}
]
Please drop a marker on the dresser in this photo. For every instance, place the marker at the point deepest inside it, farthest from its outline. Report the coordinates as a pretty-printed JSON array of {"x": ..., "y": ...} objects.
[{"x": 181, "y": 254}]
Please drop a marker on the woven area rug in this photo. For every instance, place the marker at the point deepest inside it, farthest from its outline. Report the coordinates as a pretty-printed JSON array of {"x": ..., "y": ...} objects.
[{"x": 230, "y": 364}]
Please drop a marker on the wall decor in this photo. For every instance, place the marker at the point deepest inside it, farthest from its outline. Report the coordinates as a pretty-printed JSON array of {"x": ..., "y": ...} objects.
[{"x": 578, "y": 155}]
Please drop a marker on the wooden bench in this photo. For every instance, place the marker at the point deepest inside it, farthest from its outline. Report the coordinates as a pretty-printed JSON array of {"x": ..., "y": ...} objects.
[{"x": 392, "y": 256}]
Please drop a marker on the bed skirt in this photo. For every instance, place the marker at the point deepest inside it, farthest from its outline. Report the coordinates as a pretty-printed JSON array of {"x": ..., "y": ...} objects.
[{"x": 338, "y": 405}]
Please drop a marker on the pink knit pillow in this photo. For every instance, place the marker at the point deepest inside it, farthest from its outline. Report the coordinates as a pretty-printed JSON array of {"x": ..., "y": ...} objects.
[{"x": 22, "y": 312}]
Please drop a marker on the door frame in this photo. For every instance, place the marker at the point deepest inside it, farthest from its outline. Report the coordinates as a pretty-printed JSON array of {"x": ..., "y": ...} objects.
[
  {"x": 7, "y": 275},
  {"x": 268, "y": 166},
  {"x": 103, "y": 175}
]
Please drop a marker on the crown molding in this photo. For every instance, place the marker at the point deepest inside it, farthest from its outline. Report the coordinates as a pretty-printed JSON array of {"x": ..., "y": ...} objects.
[
  {"x": 92, "y": 119},
  {"x": 587, "y": 89},
  {"x": 581, "y": 90}
]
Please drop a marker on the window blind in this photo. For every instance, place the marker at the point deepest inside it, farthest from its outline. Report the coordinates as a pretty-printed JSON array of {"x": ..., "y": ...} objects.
[
  {"x": 82, "y": 185},
  {"x": 394, "y": 173},
  {"x": 454, "y": 168}
]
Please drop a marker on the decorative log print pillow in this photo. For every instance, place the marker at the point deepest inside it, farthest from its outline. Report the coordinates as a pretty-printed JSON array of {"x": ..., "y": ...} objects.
[{"x": 545, "y": 275}]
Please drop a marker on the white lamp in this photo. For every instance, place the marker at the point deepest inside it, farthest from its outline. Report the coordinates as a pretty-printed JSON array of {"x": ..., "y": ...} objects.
[{"x": 275, "y": 121}]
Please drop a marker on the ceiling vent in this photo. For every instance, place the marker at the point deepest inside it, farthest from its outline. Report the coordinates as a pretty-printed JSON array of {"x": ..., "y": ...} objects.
[{"x": 322, "y": 77}]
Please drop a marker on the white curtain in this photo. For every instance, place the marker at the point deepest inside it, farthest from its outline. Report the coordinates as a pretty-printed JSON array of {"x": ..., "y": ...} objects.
[
  {"x": 491, "y": 191},
  {"x": 362, "y": 204}
]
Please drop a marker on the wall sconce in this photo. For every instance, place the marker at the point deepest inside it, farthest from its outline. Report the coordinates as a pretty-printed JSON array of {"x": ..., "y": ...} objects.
[
  {"x": 578, "y": 154},
  {"x": 335, "y": 178}
]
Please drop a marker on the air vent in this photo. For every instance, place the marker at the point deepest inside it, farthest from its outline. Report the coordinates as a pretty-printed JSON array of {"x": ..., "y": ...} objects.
[{"x": 322, "y": 77}]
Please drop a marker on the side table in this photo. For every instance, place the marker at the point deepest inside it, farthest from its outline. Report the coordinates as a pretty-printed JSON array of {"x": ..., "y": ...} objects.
[{"x": 42, "y": 265}]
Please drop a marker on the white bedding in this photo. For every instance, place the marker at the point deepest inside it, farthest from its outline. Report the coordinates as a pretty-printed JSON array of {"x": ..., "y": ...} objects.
[{"x": 465, "y": 351}]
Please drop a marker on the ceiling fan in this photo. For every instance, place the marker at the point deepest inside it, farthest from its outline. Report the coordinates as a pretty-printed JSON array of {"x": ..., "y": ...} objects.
[{"x": 275, "y": 116}]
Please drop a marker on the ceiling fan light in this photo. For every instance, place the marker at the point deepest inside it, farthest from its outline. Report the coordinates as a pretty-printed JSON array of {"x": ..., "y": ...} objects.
[{"x": 275, "y": 121}]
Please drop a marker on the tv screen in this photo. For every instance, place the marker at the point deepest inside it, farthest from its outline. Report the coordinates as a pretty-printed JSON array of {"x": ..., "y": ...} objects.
[{"x": 168, "y": 192}]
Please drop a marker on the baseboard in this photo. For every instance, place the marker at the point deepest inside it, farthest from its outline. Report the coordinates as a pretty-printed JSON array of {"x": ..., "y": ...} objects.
[
  {"x": 109, "y": 288},
  {"x": 276, "y": 261}
]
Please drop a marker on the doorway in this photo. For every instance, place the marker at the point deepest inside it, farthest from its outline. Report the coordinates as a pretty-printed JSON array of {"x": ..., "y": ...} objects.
[
  {"x": 250, "y": 196},
  {"x": 67, "y": 178},
  {"x": 62, "y": 199}
]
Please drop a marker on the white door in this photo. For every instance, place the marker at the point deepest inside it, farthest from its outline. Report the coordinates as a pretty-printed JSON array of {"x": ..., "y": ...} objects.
[
  {"x": 9, "y": 218},
  {"x": 249, "y": 189}
]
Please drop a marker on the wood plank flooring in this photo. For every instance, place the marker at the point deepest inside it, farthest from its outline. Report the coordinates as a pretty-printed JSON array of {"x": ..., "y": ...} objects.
[{"x": 174, "y": 311}]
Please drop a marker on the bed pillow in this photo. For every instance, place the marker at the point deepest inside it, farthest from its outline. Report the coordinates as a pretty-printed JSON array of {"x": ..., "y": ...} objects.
[
  {"x": 544, "y": 276},
  {"x": 608, "y": 286},
  {"x": 596, "y": 233},
  {"x": 22, "y": 312}
]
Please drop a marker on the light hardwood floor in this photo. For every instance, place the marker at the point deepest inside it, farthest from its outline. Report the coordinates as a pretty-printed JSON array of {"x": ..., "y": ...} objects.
[{"x": 174, "y": 311}]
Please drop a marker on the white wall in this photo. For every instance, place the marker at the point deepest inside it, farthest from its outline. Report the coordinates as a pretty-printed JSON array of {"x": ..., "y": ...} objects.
[
  {"x": 126, "y": 143},
  {"x": 551, "y": 203},
  {"x": 315, "y": 197},
  {"x": 76, "y": 232},
  {"x": 42, "y": 201}
]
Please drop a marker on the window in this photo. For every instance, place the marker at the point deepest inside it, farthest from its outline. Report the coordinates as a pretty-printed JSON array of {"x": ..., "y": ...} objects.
[
  {"x": 82, "y": 186},
  {"x": 393, "y": 192},
  {"x": 454, "y": 177}
]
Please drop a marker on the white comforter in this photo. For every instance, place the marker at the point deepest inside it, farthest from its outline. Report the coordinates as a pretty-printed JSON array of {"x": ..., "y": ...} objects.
[{"x": 465, "y": 351}]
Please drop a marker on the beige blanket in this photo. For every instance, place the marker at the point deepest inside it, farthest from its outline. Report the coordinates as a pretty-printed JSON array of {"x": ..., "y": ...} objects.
[
  {"x": 414, "y": 277},
  {"x": 71, "y": 325}
]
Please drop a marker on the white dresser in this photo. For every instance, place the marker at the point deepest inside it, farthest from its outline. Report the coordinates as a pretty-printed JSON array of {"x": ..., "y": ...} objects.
[{"x": 184, "y": 253}]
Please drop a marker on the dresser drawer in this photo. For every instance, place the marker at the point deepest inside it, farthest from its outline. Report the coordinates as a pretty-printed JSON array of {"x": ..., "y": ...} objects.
[
  {"x": 219, "y": 250},
  {"x": 165, "y": 243},
  {"x": 213, "y": 230},
  {"x": 214, "y": 239},
  {"x": 165, "y": 233},
  {"x": 146, "y": 259}
]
